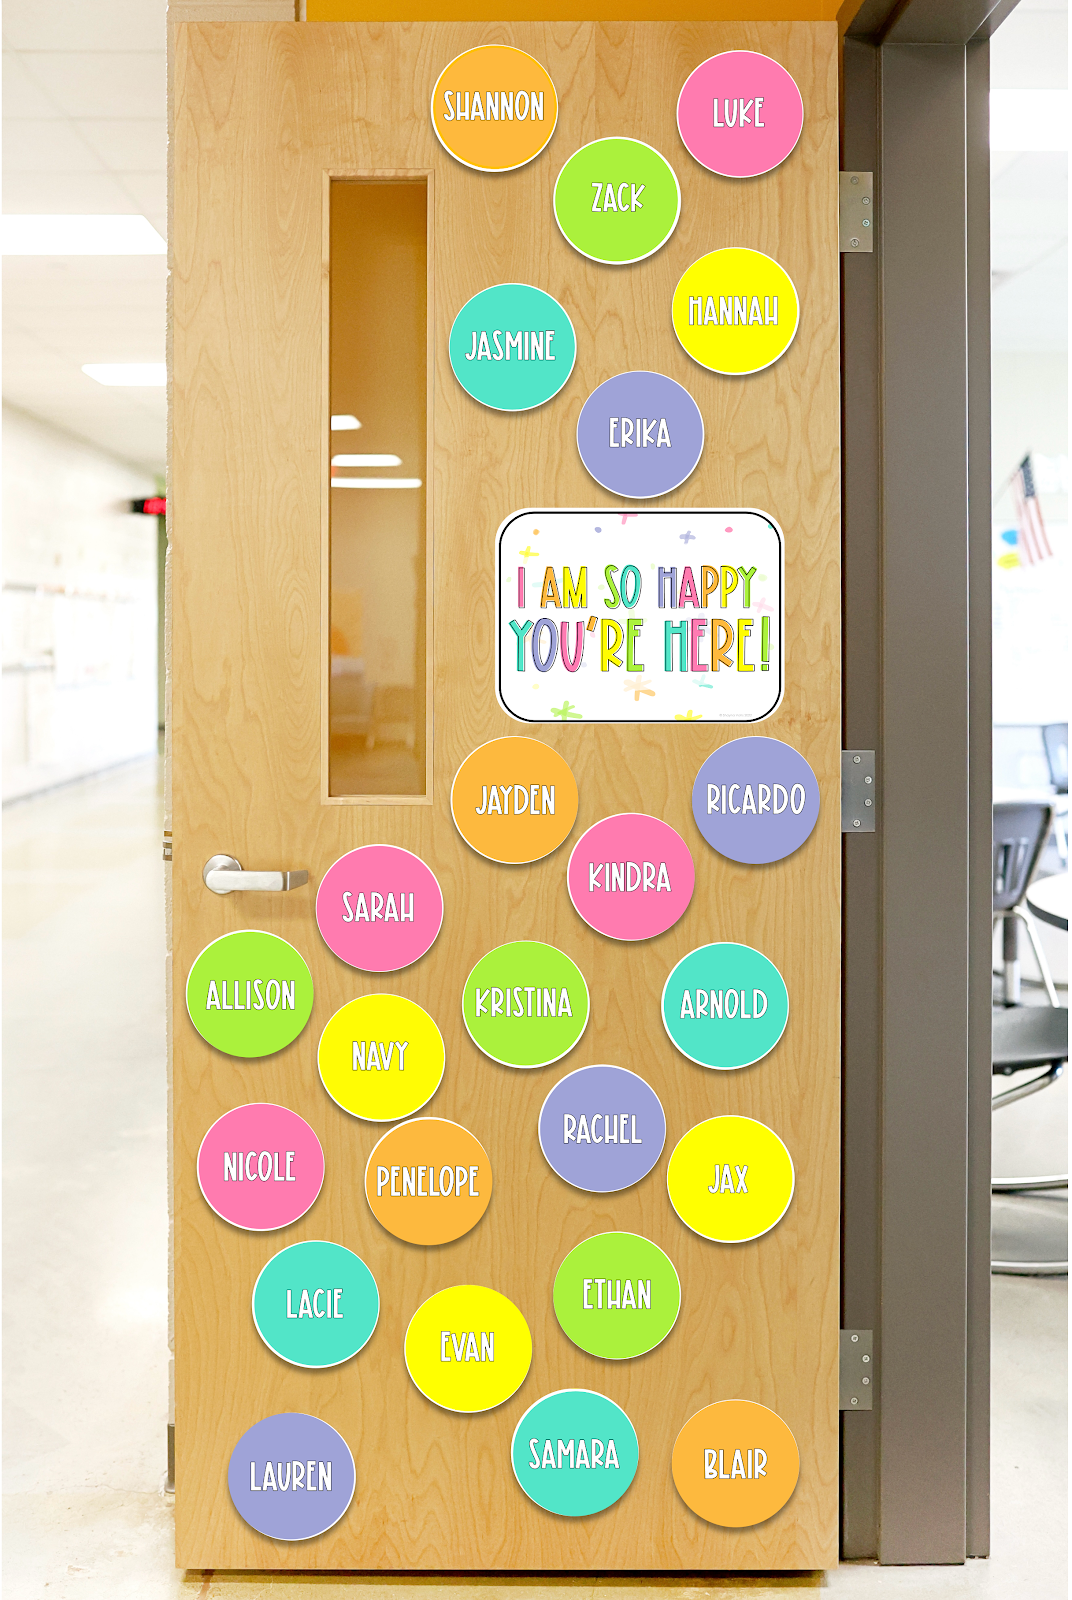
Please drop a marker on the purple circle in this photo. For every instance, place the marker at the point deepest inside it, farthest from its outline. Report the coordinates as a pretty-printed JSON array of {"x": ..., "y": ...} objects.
[
  {"x": 755, "y": 800},
  {"x": 640, "y": 435},
  {"x": 602, "y": 1128},
  {"x": 279, "y": 1451}
]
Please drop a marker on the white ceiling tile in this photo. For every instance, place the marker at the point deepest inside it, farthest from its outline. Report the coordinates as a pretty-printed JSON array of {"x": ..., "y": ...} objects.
[
  {"x": 131, "y": 146},
  {"x": 85, "y": 24},
  {"x": 60, "y": 193},
  {"x": 150, "y": 191},
  {"x": 23, "y": 97},
  {"x": 99, "y": 85},
  {"x": 36, "y": 146}
]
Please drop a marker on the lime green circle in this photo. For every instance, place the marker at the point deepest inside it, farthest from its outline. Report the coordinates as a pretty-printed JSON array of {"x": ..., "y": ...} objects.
[
  {"x": 249, "y": 994},
  {"x": 525, "y": 1004},
  {"x": 617, "y": 1295},
  {"x": 633, "y": 211}
]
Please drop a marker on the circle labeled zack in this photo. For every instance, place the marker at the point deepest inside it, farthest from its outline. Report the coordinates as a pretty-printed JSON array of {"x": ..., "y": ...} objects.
[
  {"x": 755, "y": 800},
  {"x": 381, "y": 1057},
  {"x": 631, "y": 876},
  {"x": 315, "y": 1304},
  {"x": 730, "y": 1179},
  {"x": 617, "y": 1296},
  {"x": 468, "y": 1348},
  {"x": 640, "y": 435},
  {"x": 602, "y": 1129},
  {"x": 379, "y": 908},
  {"x": 735, "y": 1463},
  {"x": 494, "y": 108},
  {"x": 428, "y": 1181},
  {"x": 283, "y": 1454},
  {"x": 249, "y": 993},
  {"x": 725, "y": 1006},
  {"x": 260, "y": 1167},
  {"x": 512, "y": 347},
  {"x": 574, "y": 1452},
  {"x": 617, "y": 200},
  {"x": 735, "y": 311},
  {"x": 514, "y": 800},
  {"x": 740, "y": 114},
  {"x": 525, "y": 1004}
]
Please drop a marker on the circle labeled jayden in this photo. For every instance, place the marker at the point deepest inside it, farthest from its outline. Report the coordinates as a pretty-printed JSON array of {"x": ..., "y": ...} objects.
[
  {"x": 602, "y": 1128},
  {"x": 640, "y": 435},
  {"x": 525, "y": 1004},
  {"x": 315, "y": 1304},
  {"x": 725, "y": 1006},
  {"x": 291, "y": 1476},
  {"x": 735, "y": 1463},
  {"x": 428, "y": 1181},
  {"x": 514, "y": 800},
  {"x": 260, "y": 1167},
  {"x": 617, "y": 201},
  {"x": 574, "y": 1452},
  {"x": 755, "y": 800},
  {"x": 249, "y": 993},
  {"x": 494, "y": 108},
  {"x": 512, "y": 347},
  {"x": 381, "y": 1057},
  {"x": 468, "y": 1348},
  {"x": 617, "y": 1296},
  {"x": 730, "y": 1179},
  {"x": 379, "y": 908},
  {"x": 735, "y": 311},
  {"x": 740, "y": 114},
  {"x": 631, "y": 876}
]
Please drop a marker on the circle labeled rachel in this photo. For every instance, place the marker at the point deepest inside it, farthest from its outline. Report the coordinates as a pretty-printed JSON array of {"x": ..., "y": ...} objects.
[
  {"x": 428, "y": 1181},
  {"x": 640, "y": 435},
  {"x": 735, "y": 311},
  {"x": 468, "y": 1348},
  {"x": 381, "y": 1057},
  {"x": 602, "y": 1129},
  {"x": 514, "y": 800},
  {"x": 379, "y": 908},
  {"x": 617, "y": 1296},
  {"x": 283, "y": 1454},
  {"x": 525, "y": 1004},
  {"x": 249, "y": 993},
  {"x": 617, "y": 201},
  {"x": 730, "y": 1179},
  {"x": 315, "y": 1304},
  {"x": 260, "y": 1167},
  {"x": 735, "y": 1463},
  {"x": 631, "y": 876},
  {"x": 574, "y": 1452},
  {"x": 755, "y": 800},
  {"x": 512, "y": 347},
  {"x": 725, "y": 1006},
  {"x": 494, "y": 108},
  {"x": 740, "y": 114}
]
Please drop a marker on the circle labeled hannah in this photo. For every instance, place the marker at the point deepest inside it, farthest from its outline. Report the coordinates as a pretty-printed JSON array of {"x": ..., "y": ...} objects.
[
  {"x": 574, "y": 1452},
  {"x": 512, "y": 347},
  {"x": 631, "y": 876},
  {"x": 428, "y": 1181},
  {"x": 249, "y": 993},
  {"x": 494, "y": 108},
  {"x": 730, "y": 1179},
  {"x": 602, "y": 1129},
  {"x": 725, "y": 1006},
  {"x": 381, "y": 1057},
  {"x": 315, "y": 1304},
  {"x": 617, "y": 1296},
  {"x": 735, "y": 311},
  {"x": 755, "y": 800},
  {"x": 468, "y": 1348},
  {"x": 525, "y": 1004},
  {"x": 379, "y": 908},
  {"x": 523, "y": 818},
  {"x": 640, "y": 435},
  {"x": 740, "y": 114},
  {"x": 617, "y": 201},
  {"x": 284, "y": 1453},
  {"x": 260, "y": 1167},
  {"x": 735, "y": 1463}
]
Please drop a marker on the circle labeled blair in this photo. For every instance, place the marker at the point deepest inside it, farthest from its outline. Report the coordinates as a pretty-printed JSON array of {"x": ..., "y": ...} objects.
[
  {"x": 755, "y": 800},
  {"x": 249, "y": 993},
  {"x": 284, "y": 1453},
  {"x": 428, "y": 1181},
  {"x": 640, "y": 435},
  {"x": 512, "y": 347},
  {"x": 514, "y": 800},
  {"x": 740, "y": 114},
  {"x": 525, "y": 1004},
  {"x": 381, "y": 1057},
  {"x": 494, "y": 108},
  {"x": 735, "y": 1463},
  {"x": 730, "y": 1179},
  {"x": 574, "y": 1452},
  {"x": 735, "y": 311},
  {"x": 468, "y": 1348},
  {"x": 631, "y": 876},
  {"x": 725, "y": 1006},
  {"x": 379, "y": 908},
  {"x": 617, "y": 201},
  {"x": 315, "y": 1304},
  {"x": 602, "y": 1129},
  {"x": 260, "y": 1167},
  {"x": 617, "y": 1296}
]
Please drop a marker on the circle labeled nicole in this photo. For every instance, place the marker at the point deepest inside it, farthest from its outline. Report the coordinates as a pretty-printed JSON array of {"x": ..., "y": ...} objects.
[
  {"x": 315, "y": 1304},
  {"x": 730, "y": 1179},
  {"x": 617, "y": 1296},
  {"x": 725, "y": 1006},
  {"x": 260, "y": 1167},
  {"x": 735, "y": 311},
  {"x": 735, "y": 1463},
  {"x": 512, "y": 347},
  {"x": 755, "y": 800},
  {"x": 283, "y": 1454},
  {"x": 249, "y": 993},
  {"x": 740, "y": 114},
  {"x": 640, "y": 435},
  {"x": 617, "y": 201},
  {"x": 574, "y": 1452},
  {"x": 494, "y": 108},
  {"x": 514, "y": 800},
  {"x": 525, "y": 1004}
]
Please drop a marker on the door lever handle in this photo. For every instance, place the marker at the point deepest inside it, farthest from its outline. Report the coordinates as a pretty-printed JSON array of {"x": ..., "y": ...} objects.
[{"x": 223, "y": 875}]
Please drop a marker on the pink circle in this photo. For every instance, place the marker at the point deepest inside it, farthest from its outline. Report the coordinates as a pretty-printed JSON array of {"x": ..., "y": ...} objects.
[
  {"x": 260, "y": 1167},
  {"x": 725, "y": 89},
  {"x": 379, "y": 908},
  {"x": 631, "y": 876}
]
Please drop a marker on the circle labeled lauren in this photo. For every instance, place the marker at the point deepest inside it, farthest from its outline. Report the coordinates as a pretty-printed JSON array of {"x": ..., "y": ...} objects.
[
  {"x": 494, "y": 108},
  {"x": 468, "y": 1348},
  {"x": 640, "y": 435},
  {"x": 249, "y": 993},
  {"x": 512, "y": 347},
  {"x": 429, "y": 1181},
  {"x": 617, "y": 1296},
  {"x": 315, "y": 1304},
  {"x": 735, "y": 1463},
  {"x": 379, "y": 908},
  {"x": 284, "y": 1453},
  {"x": 755, "y": 800},
  {"x": 725, "y": 1006},
  {"x": 631, "y": 876},
  {"x": 602, "y": 1129},
  {"x": 525, "y": 1004},
  {"x": 730, "y": 1179},
  {"x": 381, "y": 1057},
  {"x": 260, "y": 1167},
  {"x": 523, "y": 818},
  {"x": 735, "y": 311},
  {"x": 617, "y": 201},
  {"x": 574, "y": 1452},
  {"x": 740, "y": 114}
]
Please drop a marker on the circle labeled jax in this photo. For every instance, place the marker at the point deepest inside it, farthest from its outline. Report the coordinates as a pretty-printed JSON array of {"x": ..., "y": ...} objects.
[{"x": 730, "y": 1179}]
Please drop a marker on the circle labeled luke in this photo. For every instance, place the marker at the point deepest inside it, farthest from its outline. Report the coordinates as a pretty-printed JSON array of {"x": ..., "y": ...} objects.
[
  {"x": 494, "y": 108},
  {"x": 740, "y": 114},
  {"x": 428, "y": 1181},
  {"x": 525, "y": 1004},
  {"x": 617, "y": 201},
  {"x": 730, "y": 1179},
  {"x": 315, "y": 1304},
  {"x": 514, "y": 800},
  {"x": 381, "y": 1057},
  {"x": 617, "y": 1296},
  {"x": 249, "y": 993},
  {"x": 725, "y": 1006},
  {"x": 602, "y": 1129},
  {"x": 468, "y": 1348},
  {"x": 755, "y": 800},
  {"x": 260, "y": 1167},
  {"x": 512, "y": 347},
  {"x": 379, "y": 908},
  {"x": 574, "y": 1452},
  {"x": 735, "y": 1463},
  {"x": 631, "y": 876},
  {"x": 640, "y": 435},
  {"x": 284, "y": 1453},
  {"x": 735, "y": 311}
]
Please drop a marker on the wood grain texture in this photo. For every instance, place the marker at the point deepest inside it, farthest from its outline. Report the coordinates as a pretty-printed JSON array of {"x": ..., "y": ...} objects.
[{"x": 260, "y": 115}]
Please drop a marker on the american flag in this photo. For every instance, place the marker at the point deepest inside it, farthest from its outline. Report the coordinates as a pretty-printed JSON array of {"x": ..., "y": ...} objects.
[{"x": 1032, "y": 543}]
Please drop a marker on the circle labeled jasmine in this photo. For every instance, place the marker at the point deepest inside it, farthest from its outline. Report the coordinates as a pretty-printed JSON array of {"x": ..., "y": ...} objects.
[
  {"x": 740, "y": 114},
  {"x": 525, "y": 1004},
  {"x": 512, "y": 347},
  {"x": 755, "y": 800},
  {"x": 249, "y": 993},
  {"x": 725, "y": 1006},
  {"x": 617, "y": 1296},
  {"x": 602, "y": 1129},
  {"x": 315, "y": 1304},
  {"x": 284, "y": 1453},
  {"x": 631, "y": 876},
  {"x": 574, "y": 1452},
  {"x": 640, "y": 435},
  {"x": 617, "y": 200}
]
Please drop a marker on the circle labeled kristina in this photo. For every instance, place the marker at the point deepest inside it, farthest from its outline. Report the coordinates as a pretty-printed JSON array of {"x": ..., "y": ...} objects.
[
  {"x": 755, "y": 800},
  {"x": 640, "y": 435},
  {"x": 429, "y": 1181},
  {"x": 249, "y": 993},
  {"x": 284, "y": 1453},
  {"x": 512, "y": 347},
  {"x": 617, "y": 201},
  {"x": 260, "y": 1167},
  {"x": 468, "y": 1348},
  {"x": 725, "y": 1006},
  {"x": 494, "y": 108},
  {"x": 631, "y": 876},
  {"x": 740, "y": 114},
  {"x": 574, "y": 1452},
  {"x": 735, "y": 1463},
  {"x": 730, "y": 1179},
  {"x": 315, "y": 1304},
  {"x": 525, "y": 1004},
  {"x": 381, "y": 1057},
  {"x": 602, "y": 1129},
  {"x": 379, "y": 908},
  {"x": 514, "y": 800},
  {"x": 735, "y": 311},
  {"x": 617, "y": 1296}
]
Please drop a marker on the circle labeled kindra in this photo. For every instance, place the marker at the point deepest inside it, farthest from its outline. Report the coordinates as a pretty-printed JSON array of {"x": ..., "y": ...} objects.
[
  {"x": 512, "y": 347},
  {"x": 249, "y": 993},
  {"x": 617, "y": 200},
  {"x": 725, "y": 1006},
  {"x": 617, "y": 1296},
  {"x": 525, "y": 1004},
  {"x": 730, "y": 1179},
  {"x": 631, "y": 876}
]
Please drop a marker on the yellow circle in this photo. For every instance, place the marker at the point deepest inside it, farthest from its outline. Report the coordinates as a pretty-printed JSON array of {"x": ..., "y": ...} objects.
[
  {"x": 381, "y": 1057},
  {"x": 730, "y": 1179},
  {"x": 735, "y": 311},
  {"x": 468, "y": 1348}
]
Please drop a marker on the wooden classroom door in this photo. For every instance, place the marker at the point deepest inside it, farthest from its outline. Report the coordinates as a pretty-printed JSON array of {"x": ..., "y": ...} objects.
[{"x": 339, "y": 650}]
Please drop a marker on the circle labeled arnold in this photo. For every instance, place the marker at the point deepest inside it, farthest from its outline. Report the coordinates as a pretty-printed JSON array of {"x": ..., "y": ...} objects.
[
  {"x": 468, "y": 1348},
  {"x": 379, "y": 908},
  {"x": 631, "y": 876},
  {"x": 574, "y": 1452},
  {"x": 381, "y": 1057},
  {"x": 315, "y": 1304},
  {"x": 525, "y": 1004},
  {"x": 755, "y": 800},
  {"x": 512, "y": 347},
  {"x": 617, "y": 1296},
  {"x": 494, "y": 108},
  {"x": 735, "y": 311},
  {"x": 428, "y": 1181},
  {"x": 640, "y": 435},
  {"x": 514, "y": 800},
  {"x": 735, "y": 1463},
  {"x": 730, "y": 1179},
  {"x": 740, "y": 114},
  {"x": 617, "y": 201},
  {"x": 278, "y": 1455},
  {"x": 260, "y": 1167},
  {"x": 602, "y": 1128},
  {"x": 725, "y": 1006},
  {"x": 249, "y": 993}
]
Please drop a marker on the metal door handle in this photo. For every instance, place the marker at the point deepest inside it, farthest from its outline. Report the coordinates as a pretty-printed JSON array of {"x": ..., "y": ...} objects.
[{"x": 223, "y": 875}]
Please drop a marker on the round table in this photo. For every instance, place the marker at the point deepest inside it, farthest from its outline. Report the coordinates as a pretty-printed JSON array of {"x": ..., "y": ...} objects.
[{"x": 1047, "y": 899}]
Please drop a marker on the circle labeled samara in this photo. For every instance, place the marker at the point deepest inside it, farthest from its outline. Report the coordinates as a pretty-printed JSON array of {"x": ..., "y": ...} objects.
[
  {"x": 249, "y": 993},
  {"x": 574, "y": 1452},
  {"x": 617, "y": 201},
  {"x": 494, "y": 108},
  {"x": 514, "y": 800},
  {"x": 730, "y": 1179},
  {"x": 735, "y": 311}
]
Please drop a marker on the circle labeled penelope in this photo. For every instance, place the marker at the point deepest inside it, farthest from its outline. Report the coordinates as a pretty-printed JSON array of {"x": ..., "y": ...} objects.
[
  {"x": 574, "y": 1452},
  {"x": 740, "y": 114},
  {"x": 735, "y": 1463},
  {"x": 291, "y": 1476},
  {"x": 315, "y": 1304},
  {"x": 730, "y": 1179},
  {"x": 617, "y": 201},
  {"x": 617, "y": 1296},
  {"x": 468, "y": 1348},
  {"x": 249, "y": 993},
  {"x": 429, "y": 1181},
  {"x": 525, "y": 1004},
  {"x": 640, "y": 435},
  {"x": 735, "y": 311},
  {"x": 725, "y": 1006},
  {"x": 494, "y": 108},
  {"x": 514, "y": 800},
  {"x": 602, "y": 1128},
  {"x": 755, "y": 800},
  {"x": 381, "y": 1057}
]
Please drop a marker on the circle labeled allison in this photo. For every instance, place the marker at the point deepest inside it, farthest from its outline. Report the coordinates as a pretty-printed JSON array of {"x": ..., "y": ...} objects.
[
  {"x": 740, "y": 114},
  {"x": 574, "y": 1452},
  {"x": 755, "y": 800},
  {"x": 381, "y": 1057},
  {"x": 730, "y": 1179},
  {"x": 291, "y": 1476},
  {"x": 602, "y": 1129},
  {"x": 631, "y": 876},
  {"x": 315, "y": 1304},
  {"x": 512, "y": 347},
  {"x": 494, "y": 108},
  {"x": 617, "y": 201},
  {"x": 260, "y": 1167},
  {"x": 379, "y": 908},
  {"x": 514, "y": 800},
  {"x": 735, "y": 1463},
  {"x": 429, "y": 1181},
  {"x": 725, "y": 1006},
  {"x": 525, "y": 1004},
  {"x": 617, "y": 1296},
  {"x": 735, "y": 311},
  {"x": 468, "y": 1348},
  {"x": 640, "y": 435},
  {"x": 249, "y": 993}
]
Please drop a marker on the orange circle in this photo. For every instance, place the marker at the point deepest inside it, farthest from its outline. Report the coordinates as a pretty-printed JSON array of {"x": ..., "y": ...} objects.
[
  {"x": 428, "y": 1181},
  {"x": 494, "y": 108},
  {"x": 514, "y": 800},
  {"x": 735, "y": 1463}
]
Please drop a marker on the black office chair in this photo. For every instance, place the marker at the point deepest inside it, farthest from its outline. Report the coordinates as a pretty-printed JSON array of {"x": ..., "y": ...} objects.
[
  {"x": 1055, "y": 741},
  {"x": 1021, "y": 828},
  {"x": 1024, "y": 1037}
]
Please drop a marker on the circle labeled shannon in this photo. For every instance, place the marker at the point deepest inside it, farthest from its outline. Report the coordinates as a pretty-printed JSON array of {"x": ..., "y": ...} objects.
[
  {"x": 379, "y": 908},
  {"x": 381, "y": 1057},
  {"x": 740, "y": 114},
  {"x": 283, "y": 1454},
  {"x": 525, "y": 1004},
  {"x": 260, "y": 1167},
  {"x": 315, "y": 1304},
  {"x": 735, "y": 311},
  {"x": 730, "y": 1179},
  {"x": 735, "y": 1463},
  {"x": 725, "y": 1006},
  {"x": 428, "y": 1181},
  {"x": 640, "y": 435},
  {"x": 602, "y": 1129},
  {"x": 249, "y": 993},
  {"x": 755, "y": 800},
  {"x": 468, "y": 1348},
  {"x": 514, "y": 800},
  {"x": 617, "y": 200},
  {"x": 494, "y": 108},
  {"x": 512, "y": 347},
  {"x": 574, "y": 1452},
  {"x": 617, "y": 1296},
  {"x": 631, "y": 876}
]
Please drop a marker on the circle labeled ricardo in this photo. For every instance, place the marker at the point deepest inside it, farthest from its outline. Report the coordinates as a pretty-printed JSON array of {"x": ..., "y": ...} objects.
[
  {"x": 730, "y": 1179},
  {"x": 735, "y": 1463},
  {"x": 286, "y": 1452},
  {"x": 525, "y": 1004},
  {"x": 494, "y": 108},
  {"x": 617, "y": 201},
  {"x": 755, "y": 800},
  {"x": 428, "y": 1181},
  {"x": 631, "y": 876},
  {"x": 260, "y": 1167},
  {"x": 379, "y": 908},
  {"x": 468, "y": 1348},
  {"x": 249, "y": 993},
  {"x": 574, "y": 1452},
  {"x": 315, "y": 1304},
  {"x": 381, "y": 1057},
  {"x": 725, "y": 1006},
  {"x": 640, "y": 435},
  {"x": 512, "y": 347},
  {"x": 740, "y": 114},
  {"x": 735, "y": 311},
  {"x": 602, "y": 1129},
  {"x": 617, "y": 1296},
  {"x": 523, "y": 818}
]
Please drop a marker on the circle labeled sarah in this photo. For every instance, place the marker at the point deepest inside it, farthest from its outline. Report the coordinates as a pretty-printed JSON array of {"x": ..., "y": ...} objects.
[
  {"x": 640, "y": 435},
  {"x": 525, "y": 1004},
  {"x": 512, "y": 347},
  {"x": 381, "y": 1057},
  {"x": 468, "y": 1348},
  {"x": 514, "y": 800},
  {"x": 602, "y": 1129},
  {"x": 249, "y": 993},
  {"x": 379, "y": 908},
  {"x": 631, "y": 876},
  {"x": 735, "y": 1463},
  {"x": 617, "y": 1296},
  {"x": 725, "y": 1006},
  {"x": 494, "y": 108},
  {"x": 283, "y": 1454},
  {"x": 260, "y": 1167},
  {"x": 315, "y": 1304},
  {"x": 730, "y": 1179},
  {"x": 428, "y": 1181},
  {"x": 574, "y": 1452},
  {"x": 617, "y": 201},
  {"x": 735, "y": 311},
  {"x": 740, "y": 114},
  {"x": 755, "y": 800}
]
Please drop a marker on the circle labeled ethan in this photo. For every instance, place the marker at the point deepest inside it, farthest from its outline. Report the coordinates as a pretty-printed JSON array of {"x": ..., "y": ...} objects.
[
  {"x": 735, "y": 311},
  {"x": 725, "y": 1006},
  {"x": 525, "y": 1004},
  {"x": 574, "y": 1452},
  {"x": 735, "y": 1463},
  {"x": 740, "y": 114},
  {"x": 602, "y": 1129},
  {"x": 276, "y": 1457},
  {"x": 524, "y": 818},
  {"x": 428, "y": 1181},
  {"x": 640, "y": 435},
  {"x": 512, "y": 347},
  {"x": 730, "y": 1179},
  {"x": 617, "y": 201},
  {"x": 315, "y": 1304},
  {"x": 468, "y": 1348},
  {"x": 617, "y": 1296},
  {"x": 260, "y": 1167},
  {"x": 631, "y": 876},
  {"x": 379, "y": 908},
  {"x": 249, "y": 993},
  {"x": 494, "y": 108},
  {"x": 381, "y": 1057},
  {"x": 755, "y": 800}
]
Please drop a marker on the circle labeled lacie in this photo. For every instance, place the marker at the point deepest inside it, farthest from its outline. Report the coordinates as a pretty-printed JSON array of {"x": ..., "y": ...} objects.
[
  {"x": 640, "y": 435},
  {"x": 291, "y": 1476},
  {"x": 740, "y": 114},
  {"x": 315, "y": 1304},
  {"x": 249, "y": 993}
]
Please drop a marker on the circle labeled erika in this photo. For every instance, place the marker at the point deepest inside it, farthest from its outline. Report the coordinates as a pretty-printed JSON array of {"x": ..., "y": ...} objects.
[
  {"x": 525, "y": 1004},
  {"x": 755, "y": 800},
  {"x": 260, "y": 1167},
  {"x": 617, "y": 1296},
  {"x": 640, "y": 435},
  {"x": 740, "y": 114},
  {"x": 735, "y": 1463},
  {"x": 315, "y": 1304},
  {"x": 602, "y": 1129},
  {"x": 249, "y": 993},
  {"x": 617, "y": 201},
  {"x": 574, "y": 1452},
  {"x": 284, "y": 1453},
  {"x": 379, "y": 908},
  {"x": 512, "y": 347},
  {"x": 631, "y": 876},
  {"x": 429, "y": 1181},
  {"x": 730, "y": 1179},
  {"x": 468, "y": 1348},
  {"x": 494, "y": 108},
  {"x": 735, "y": 311},
  {"x": 725, "y": 1006},
  {"x": 514, "y": 800},
  {"x": 381, "y": 1057}
]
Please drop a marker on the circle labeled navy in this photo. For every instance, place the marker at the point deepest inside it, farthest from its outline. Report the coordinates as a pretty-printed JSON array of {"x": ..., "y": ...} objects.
[
  {"x": 291, "y": 1476},
  {"x": 602, "y": 1129},
  {"x": 574, "y": 1452},
  {"x": 640, "y": 435},
  {"x": 512, "y": 347},
  {"x": 755, "y": 800}
]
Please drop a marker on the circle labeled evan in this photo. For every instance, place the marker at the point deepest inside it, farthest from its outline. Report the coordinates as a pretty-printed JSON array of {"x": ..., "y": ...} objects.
[
  {"x": 725, "y": 1006},
  {"x": 381, "y": 1057},
  {"x": 574, "y": 1452},
  {"x": 525, "y": 1004},
  {"x": 640, "y": 435},
  {"x": 755, "y": 800},
  {"x": 379, "y": 908},
  {"x": 602, "y": 1129},
  {"x": 512, "y": 347},
  {"x": 617, "y": 1296},
  {"x": 315, "y": 1304},
  {"x": 514, "y": 800},
  {"x": 284, "y": 1453},
  {"x": 468, "y": 1348},
  {"x": 249, "y": 993},
  {"x": 260, "y": 1167},
  {"x": 617, "y": 201},
  {"x": 631, "y": 876},
  {"x": 730, "y": 1179},
  {"x": 429, "y": 1181},
  {"x": 735, "y": 1463},
  {"x": 735, "y": 311},
  {"x": 740, "y": 114},
  {"x": 494, "y": 108}
]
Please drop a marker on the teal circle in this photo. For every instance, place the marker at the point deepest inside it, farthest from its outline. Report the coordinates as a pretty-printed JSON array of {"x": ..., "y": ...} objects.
[
  {"x": 717, "y": 978},
  {"x": 617, "y": 201},
  {"x": 297, "y": 1296},
  {"x": 500, "y": 373},
  {"x": 557, "y": 1427},
  {"x": 249, "y": 993}
]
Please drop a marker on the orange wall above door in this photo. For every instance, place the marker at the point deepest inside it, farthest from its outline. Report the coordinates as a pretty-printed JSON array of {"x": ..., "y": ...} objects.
[{"x": 840, "y": 11}]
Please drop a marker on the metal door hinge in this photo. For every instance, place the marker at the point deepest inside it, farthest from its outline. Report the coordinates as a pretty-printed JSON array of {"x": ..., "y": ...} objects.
[
  {"x": 856, "y": 213},
  {"x": 856, "y": 1370},
  {"x": 858, "y": 791}
]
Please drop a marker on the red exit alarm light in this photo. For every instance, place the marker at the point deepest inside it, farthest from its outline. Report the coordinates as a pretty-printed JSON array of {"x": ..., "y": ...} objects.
[{"x": 155, "y": 506}]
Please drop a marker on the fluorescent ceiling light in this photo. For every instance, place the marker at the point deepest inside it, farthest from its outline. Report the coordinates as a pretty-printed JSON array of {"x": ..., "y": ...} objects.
[
  {"x": 105, "y": 235},
  {"x": 128, "y": 374},
  {"x": 344, "y": 420},
  {"x": 1029, "y": 119},
  {"x": 375, "y": 483},
  {"x": 366, "y": 461}
]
